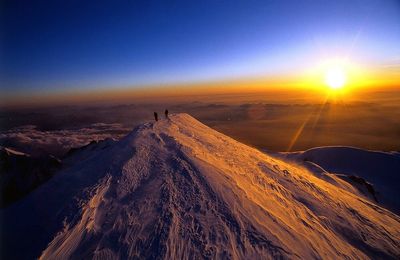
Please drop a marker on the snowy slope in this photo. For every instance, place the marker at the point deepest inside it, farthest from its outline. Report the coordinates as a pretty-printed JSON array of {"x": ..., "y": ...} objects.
[
  {"x": 381, "y": 169},
  {"x": 20, "y": 173},
  {"x": 176, "y": 189}
]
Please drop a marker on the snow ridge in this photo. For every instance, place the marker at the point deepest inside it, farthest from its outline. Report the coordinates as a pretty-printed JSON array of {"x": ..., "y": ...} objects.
[{"x": 176, "y": 189}]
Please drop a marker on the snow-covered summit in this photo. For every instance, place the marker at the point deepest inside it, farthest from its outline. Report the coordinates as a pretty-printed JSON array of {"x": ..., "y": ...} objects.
[{"x": 177, "y": 189}]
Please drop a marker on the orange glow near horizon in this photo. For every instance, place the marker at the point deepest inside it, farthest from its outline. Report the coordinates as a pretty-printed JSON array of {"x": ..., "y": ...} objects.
[
  {"x": 344, "y": 79},
  {"x": 335, "y": 78}
]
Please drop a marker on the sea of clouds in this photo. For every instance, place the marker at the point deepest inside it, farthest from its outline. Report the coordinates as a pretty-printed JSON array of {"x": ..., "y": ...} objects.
[{"x": 31, "y": 140}]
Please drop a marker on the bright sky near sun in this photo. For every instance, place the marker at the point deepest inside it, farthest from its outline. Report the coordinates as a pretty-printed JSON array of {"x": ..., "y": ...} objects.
[{"x": 63, "y": 45}]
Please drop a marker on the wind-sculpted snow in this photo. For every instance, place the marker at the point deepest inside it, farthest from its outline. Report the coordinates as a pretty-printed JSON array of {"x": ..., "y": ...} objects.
[
  {"x": 372, "y": 171},
  {"x": 176, "y": 189}
]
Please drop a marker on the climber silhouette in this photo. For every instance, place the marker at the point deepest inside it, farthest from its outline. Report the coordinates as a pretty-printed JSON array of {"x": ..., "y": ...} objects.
[
  {"x": 166, "y": 113},
  {"x": 156, "y": 116}
]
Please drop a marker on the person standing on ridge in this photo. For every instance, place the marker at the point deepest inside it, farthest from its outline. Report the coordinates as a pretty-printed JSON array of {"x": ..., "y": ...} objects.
[
  {"x": 156, "y": 116},
  {"x": 166, "y": 113}
]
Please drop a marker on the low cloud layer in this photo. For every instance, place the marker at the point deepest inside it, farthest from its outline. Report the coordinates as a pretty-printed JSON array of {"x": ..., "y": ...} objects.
[
  {"x": 57, "y": 142},
  {"x": 370, "y": 123}
]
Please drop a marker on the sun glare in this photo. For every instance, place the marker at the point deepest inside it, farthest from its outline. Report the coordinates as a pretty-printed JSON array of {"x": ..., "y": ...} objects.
[{"x": 335, "y": 77}]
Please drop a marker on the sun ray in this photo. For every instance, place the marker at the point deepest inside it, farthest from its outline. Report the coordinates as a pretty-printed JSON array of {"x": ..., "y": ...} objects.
[{"x": 298, "y": 133}]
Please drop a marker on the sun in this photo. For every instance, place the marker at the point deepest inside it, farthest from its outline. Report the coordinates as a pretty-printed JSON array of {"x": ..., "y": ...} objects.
[{"x": 335, "y": 77}]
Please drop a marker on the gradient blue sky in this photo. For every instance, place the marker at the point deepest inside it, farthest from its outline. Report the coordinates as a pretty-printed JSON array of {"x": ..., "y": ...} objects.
[{"x": 53, "y": 46}]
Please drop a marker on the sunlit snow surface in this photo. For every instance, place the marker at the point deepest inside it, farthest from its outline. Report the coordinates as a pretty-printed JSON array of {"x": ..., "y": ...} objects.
[
  {"x": 358, "y": 166},
  {"x": 177, "y": 189}
]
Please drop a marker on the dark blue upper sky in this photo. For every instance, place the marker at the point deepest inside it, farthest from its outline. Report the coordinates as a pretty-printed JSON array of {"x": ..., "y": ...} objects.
[{"x": 61, "y": 45}]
